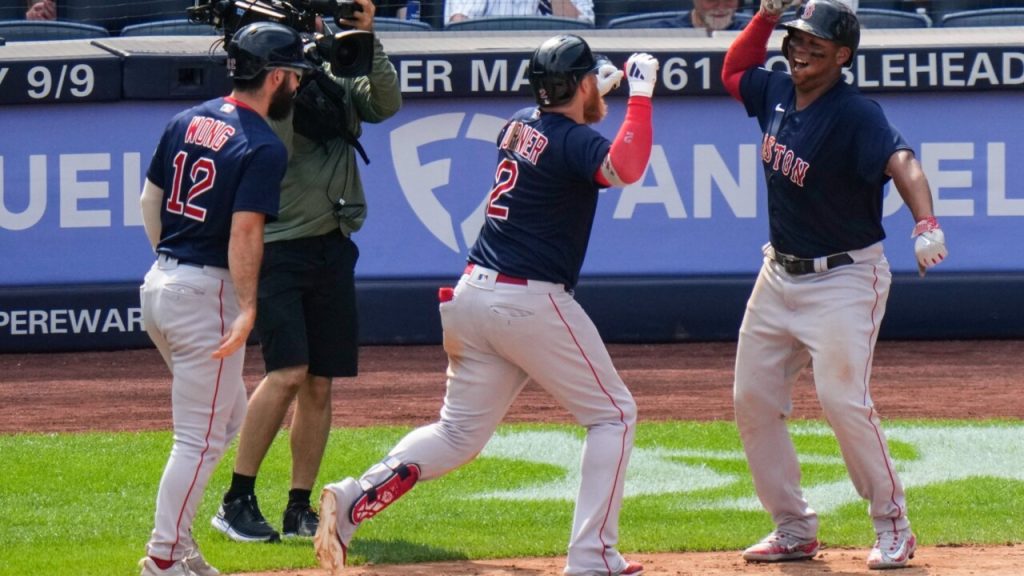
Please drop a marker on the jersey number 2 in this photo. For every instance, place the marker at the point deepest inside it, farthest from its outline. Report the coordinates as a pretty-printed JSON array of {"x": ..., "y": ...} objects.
[
  {"x": 202, "y": 175},
  {"x": 504, "y": 181}
]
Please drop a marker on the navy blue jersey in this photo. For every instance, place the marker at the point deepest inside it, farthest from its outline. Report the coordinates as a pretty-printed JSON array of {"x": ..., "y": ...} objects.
[
  {"x": 213, "y": 160},
  {"x": 824, "y": 165},
  {"x": 541, "y": 208}
]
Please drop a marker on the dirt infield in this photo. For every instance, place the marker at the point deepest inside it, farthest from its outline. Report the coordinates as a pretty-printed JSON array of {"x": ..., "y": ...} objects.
[{"x": 129, "y": 390}]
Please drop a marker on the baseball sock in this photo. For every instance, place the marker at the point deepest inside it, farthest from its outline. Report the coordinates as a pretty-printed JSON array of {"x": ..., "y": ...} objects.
[
  {"x": 241, "y": 485},
  {"x": 298, "y": 498}
]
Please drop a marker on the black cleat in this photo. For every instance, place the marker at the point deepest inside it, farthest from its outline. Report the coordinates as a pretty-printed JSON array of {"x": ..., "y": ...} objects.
[
  {"x": 242, "y": 521},
  {"x": 299, "y": 521}
]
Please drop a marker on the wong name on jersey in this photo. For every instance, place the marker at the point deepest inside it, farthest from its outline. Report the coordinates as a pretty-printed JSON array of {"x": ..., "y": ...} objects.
[{"x": 208, "y": 132}]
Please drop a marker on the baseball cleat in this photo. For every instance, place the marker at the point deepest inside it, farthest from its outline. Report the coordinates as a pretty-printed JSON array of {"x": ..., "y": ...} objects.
[
  {"x": 632, "y": 569},
  {"x": 149, "y": 568},
  {"x": 242, "y": 521},
  {"x": 336, "y": 527},
  {"x": 892, "y": 549},
  {"x": 195, "y": 562},
  {"x": 780, "y": 547},
  {"x": 299, "y": 521}
]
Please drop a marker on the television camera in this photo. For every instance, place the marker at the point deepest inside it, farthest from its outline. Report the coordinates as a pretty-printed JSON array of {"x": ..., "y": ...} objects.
[{"x": 349, "y": 52}]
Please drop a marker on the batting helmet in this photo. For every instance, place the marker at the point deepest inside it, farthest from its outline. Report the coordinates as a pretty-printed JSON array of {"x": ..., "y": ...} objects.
[
  {"x": 557, "y": 67},
  {"x": 262, "y": 45},
  {"x": 829, "y": 20}
]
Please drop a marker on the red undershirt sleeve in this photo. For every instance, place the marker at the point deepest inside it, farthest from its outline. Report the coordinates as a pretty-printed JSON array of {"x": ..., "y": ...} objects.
[
  {"x": 748, "y": 50},
  {"x": 631, "y": 149}
]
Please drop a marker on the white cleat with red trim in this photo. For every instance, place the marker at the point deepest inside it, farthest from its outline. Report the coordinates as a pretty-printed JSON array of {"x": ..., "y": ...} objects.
[{"x": 892, "y": 549}]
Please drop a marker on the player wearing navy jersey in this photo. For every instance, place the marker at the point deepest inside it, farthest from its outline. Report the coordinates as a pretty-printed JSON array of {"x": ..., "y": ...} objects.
[
  {"x": 827, "y": 152},
  {"x": 512, "y": 317},
  {"x": 213, "y": 181}
]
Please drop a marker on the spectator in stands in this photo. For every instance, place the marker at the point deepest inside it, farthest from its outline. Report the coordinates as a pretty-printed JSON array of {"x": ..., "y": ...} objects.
[
  {"x": 708, "y": 14},
  {"x": 456, "y": 10},
  {"x": 41, "y": 10}
]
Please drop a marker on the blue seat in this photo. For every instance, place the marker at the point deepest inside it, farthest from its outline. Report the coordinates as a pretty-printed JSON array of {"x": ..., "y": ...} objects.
[
  {"x": 663, "y": 20},
  {"x": 397, "y": 24},
  {"x": 883, "y": 18},
  {"x": 35, "y": 30},
  {"x": 519, "y": 23},
  {"x": 116, "y": 14},
  {"x": 13, "y": 9},
  {"x": 984, "y": 17},
  {"x": 648, "y": 20},
  {"x": 180, "y": 27},
  {"x": 607, "y": 10}
]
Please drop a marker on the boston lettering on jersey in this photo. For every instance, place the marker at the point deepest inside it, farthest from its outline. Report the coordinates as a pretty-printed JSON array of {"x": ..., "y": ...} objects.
[
  {"x": 524, "y": 141},
  {"x": 784, "y": 159},
  {"x": 208, "y": 132}
]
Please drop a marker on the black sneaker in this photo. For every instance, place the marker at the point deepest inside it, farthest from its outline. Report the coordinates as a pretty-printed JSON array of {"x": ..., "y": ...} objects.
[
  {"x": 242, "y": 521},
  {"x": 299, "y": 521}
]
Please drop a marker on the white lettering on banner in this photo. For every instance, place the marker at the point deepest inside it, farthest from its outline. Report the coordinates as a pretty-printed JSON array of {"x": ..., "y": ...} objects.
[
  {"x": 709, "y": 169},
  {"x": 418, "y": 181},
  {"x": 74, "y": 194},
  {"x": 72, "y": 190},
  {"x": 664, "y": 191},
  {"x": 32, "y": 213},
  {"x": 496, "y": 79},
  {"x": 3, "y": 75},
  {"x": 933, "y": 154},
  {"x": 55, "y": 321},
  {"x": 439, "y": 73},
  {"x": 933, "y": 69},
  {"x": 998, "y": 203},
  {"x": 130, "y": 175}
]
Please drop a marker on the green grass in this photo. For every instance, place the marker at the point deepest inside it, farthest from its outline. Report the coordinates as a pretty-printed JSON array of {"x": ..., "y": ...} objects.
[{"x": 82, "y": 504}]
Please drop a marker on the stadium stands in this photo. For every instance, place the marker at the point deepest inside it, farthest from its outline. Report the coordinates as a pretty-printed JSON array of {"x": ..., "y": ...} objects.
[
  {"x": 178, "y": 27},
  {"x": 397, "y": 24},
  {"x": 660, "y": 19},
  {"x": 34, "y": 30},
  {"x": 882, "y": 18},
  {"x": 116, "y": 14},
  {"x": 984, "y": 17},
  {"x": 519, "y": 23},
  {"x": 12, "y": 9}
]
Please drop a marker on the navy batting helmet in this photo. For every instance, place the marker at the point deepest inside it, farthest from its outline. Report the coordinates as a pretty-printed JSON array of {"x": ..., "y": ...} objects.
[
  {"x": 829, "y": 20},
  {"x": 262, "y": 45},
  {"x": 557, "y": 67}
]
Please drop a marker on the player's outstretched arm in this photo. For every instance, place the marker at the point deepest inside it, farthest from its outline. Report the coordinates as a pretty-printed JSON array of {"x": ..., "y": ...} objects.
[
  {"x": 912, "y": 184},
  {"x": 631, "y": 150},
  {"x": 245, "y": 253},
  {"x": 750, "y": 48}
]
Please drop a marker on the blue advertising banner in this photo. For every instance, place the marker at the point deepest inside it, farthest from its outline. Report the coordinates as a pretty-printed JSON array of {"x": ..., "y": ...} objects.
[{"x": 70, "y": 181}]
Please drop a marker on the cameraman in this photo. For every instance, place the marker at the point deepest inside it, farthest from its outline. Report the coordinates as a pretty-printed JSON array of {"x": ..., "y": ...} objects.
[{"x": 306, "y": 316}]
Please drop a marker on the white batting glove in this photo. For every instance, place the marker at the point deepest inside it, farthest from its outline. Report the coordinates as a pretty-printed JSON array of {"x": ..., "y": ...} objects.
[
  {"x": 642, "y": 72},
  {"x": 930, "y": 246},
  {"x": 608, "y": 78},
  {"x": 775, "y": 8}
]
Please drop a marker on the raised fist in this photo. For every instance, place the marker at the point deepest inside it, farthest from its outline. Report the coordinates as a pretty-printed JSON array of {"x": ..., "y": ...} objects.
[
  {"x": 608, "y": 78},
  {"x": 642, "y": 72},
  {"x": 930, "y": 246},
  {"x": 775, "y": 8}
]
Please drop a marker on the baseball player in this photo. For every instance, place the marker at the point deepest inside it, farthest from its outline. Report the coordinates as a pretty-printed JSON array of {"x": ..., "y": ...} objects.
[
  {"x": 820, "y": 296},
  {"x": 512, "y": 317},
  {"x": 213, "y": 181}
]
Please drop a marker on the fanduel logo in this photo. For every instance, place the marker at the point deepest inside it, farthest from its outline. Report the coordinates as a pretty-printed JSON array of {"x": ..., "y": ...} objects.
[{"x": 420, "y": 180}]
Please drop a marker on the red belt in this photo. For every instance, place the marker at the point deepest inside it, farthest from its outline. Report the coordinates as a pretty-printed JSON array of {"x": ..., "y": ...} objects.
[{"x": 503, "y": 278}]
